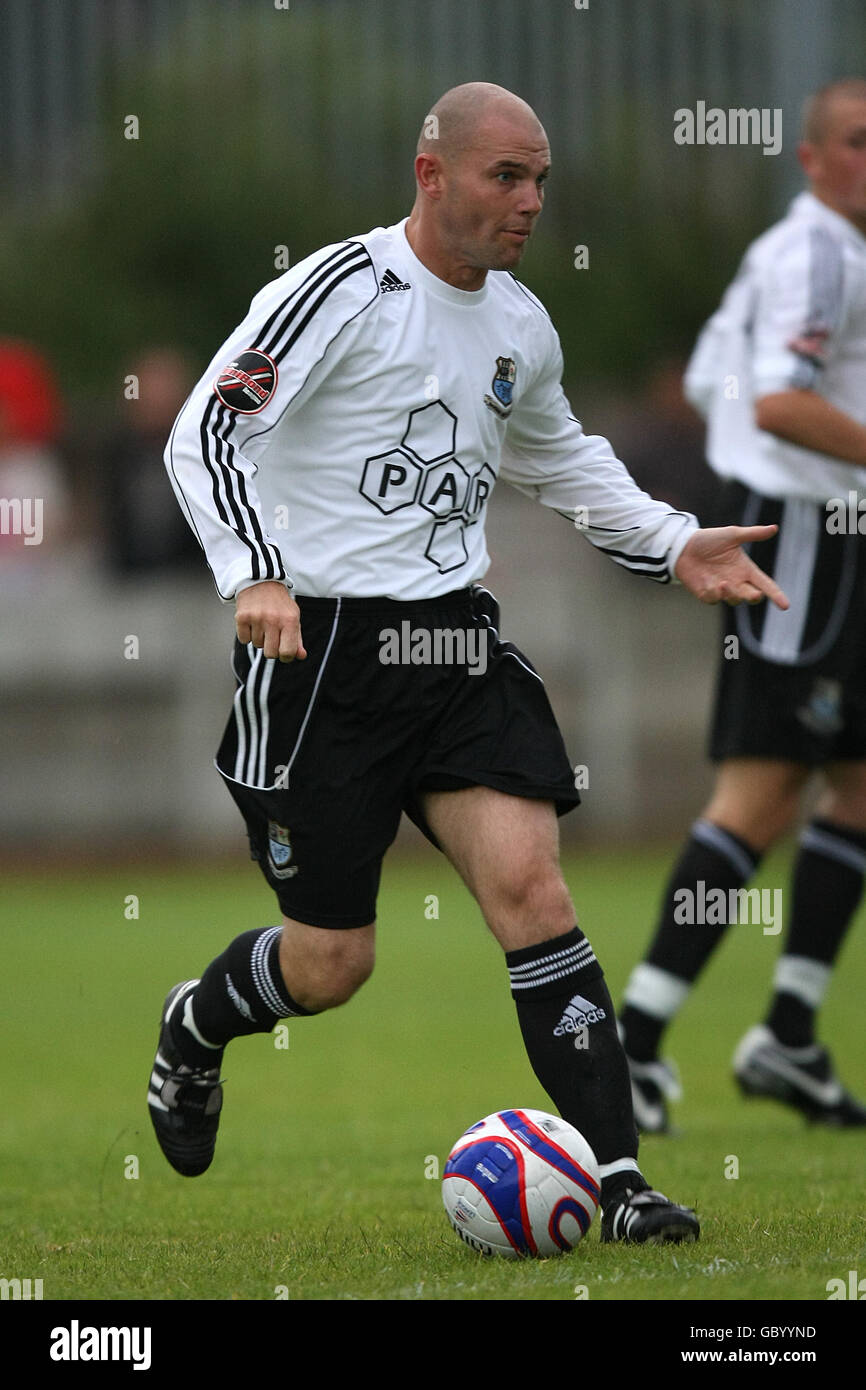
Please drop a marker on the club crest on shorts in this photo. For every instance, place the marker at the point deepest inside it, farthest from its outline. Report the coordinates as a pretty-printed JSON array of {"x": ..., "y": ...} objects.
[
  {"x": 280, "y": 851},
  {"x": 248, "y": 382},
  {"x": 822, "y": 712},
  {"x": 502, "y": 386}
]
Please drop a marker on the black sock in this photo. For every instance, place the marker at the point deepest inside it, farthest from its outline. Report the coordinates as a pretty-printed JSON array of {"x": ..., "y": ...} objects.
[
  {"x": 241, "y": 992},
  {"x": 826, "y": 890},
  {"x": 568, "y": 1025},
  {"x": 658, "y": 986}
]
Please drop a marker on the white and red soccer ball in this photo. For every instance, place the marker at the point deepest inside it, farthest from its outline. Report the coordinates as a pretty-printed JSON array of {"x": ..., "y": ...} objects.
[{"x": 521, "y": 1182}]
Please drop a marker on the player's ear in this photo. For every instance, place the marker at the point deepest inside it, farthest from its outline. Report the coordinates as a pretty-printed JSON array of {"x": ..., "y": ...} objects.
[
  {"x": 807, "y": 155},
  {"x": 428, "y": 174}
]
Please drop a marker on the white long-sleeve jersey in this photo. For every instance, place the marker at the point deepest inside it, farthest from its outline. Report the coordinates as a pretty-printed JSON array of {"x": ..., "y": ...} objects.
[
  {"x": 348, "y": 435},
  {"x": 793, "y": 318}
]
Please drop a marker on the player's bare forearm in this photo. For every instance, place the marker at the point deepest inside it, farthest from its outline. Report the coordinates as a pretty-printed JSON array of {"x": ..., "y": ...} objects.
[
  {"x": 807, "y": 419},
  {"x": 714, "y": 567},
  {"x": 267, "y": 615}
]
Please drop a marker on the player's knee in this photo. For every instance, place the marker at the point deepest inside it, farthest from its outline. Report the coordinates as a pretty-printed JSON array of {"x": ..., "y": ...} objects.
[
  {"x": 759, "y": 829},
  {"x": 844, "y": 799},
  {"x": 323, "y": 968},
  {"x": 843, "y": 808},
  {"x": 759, "y": 805},
  {"x": 337, "y": 988},
  {"x": 532, "y": 896},
  {"x": 348, "y": 973}
]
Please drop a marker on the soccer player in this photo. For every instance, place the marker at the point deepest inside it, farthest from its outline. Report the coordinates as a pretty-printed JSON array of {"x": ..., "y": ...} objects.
[
  {"x": 336, "y": 461},
  {"x": 790, "y": 337}
]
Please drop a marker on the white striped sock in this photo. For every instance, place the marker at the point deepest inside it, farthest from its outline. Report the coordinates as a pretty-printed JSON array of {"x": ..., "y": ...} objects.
[
  {"x": 655, "y": 992},
  {"x": 555, "y": 966},
  {"x": 619, "y": 1165},
  {"x": 806, "y": 979},
  {"x": 263, "y": 980}
]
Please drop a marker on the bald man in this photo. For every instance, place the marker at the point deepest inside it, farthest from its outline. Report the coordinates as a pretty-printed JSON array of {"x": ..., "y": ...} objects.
[
  {"x": 336, "y": 461},
  {"x": 791, "y": 699}
]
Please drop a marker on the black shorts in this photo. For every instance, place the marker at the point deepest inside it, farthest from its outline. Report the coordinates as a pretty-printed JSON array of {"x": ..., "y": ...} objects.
[
  {"x": 323, "y": 755},
  {"x": 793, "y": 684}
]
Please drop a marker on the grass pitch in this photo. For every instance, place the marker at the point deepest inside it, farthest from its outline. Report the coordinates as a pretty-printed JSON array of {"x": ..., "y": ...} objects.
[{"x": 325, "y": 1182}]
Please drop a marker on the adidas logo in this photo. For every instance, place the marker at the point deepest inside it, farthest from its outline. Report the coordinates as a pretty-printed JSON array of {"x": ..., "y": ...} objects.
[
  {"x": 390, "y": 281},
  {"x": 238, "y": 1000},
  {"x": 578, "y": 1014}
]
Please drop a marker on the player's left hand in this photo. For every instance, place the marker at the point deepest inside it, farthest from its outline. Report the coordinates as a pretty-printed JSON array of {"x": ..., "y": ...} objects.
[{"x": 714, "y": 567}]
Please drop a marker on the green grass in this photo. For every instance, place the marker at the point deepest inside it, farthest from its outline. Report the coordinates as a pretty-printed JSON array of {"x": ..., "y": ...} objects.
[{"x": 319, "y": 1186}]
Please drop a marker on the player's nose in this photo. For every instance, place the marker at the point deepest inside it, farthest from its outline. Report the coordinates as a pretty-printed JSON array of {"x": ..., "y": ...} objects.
[{"x": 531, "y": 201}]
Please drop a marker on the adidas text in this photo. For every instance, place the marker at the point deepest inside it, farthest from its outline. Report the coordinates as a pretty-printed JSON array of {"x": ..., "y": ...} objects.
[
  {"x": 579, "y": 1014},
  {"x": 238, "y": 1000},
  {"x": 390, "y": 281}
]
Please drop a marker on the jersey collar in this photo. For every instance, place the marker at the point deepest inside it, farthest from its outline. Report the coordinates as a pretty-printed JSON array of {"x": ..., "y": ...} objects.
[
  {"x": 806, "y": 203},
  {"x": 466, "y": 299}
]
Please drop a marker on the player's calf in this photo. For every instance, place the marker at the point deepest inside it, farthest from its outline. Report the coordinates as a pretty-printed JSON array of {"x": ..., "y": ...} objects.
[
  {"x": 240, "y": 993},
  {"x": 569, "y": 1030}
]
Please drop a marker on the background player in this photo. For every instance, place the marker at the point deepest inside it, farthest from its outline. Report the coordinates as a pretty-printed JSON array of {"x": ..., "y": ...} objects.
[
  {"x": 792, "y": 331},
  {"x": 318, "y": 409}
]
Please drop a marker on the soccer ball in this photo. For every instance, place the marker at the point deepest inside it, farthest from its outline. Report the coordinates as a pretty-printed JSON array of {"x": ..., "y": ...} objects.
[{"x": 521, "y": 1182}]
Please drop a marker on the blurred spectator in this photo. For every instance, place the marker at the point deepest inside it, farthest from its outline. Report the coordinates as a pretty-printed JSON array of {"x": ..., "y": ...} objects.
[
  {"x": 144, "y": 529},
  {"x": 34, "y": 499},
  {"x": 661, "y": 443}
]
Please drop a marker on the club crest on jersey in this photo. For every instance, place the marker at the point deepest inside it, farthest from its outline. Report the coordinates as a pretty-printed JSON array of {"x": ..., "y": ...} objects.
[
  {"x": 248, "y": 382},
  {"x": 502, "y": 386},
  {"x": 280, "y": 851}
]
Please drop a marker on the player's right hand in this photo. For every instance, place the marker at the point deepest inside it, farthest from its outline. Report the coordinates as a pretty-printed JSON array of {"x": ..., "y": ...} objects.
[{"x": 267, "y": 615}]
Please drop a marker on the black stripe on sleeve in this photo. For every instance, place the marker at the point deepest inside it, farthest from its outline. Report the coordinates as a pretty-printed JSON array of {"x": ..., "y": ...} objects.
[
  {"x": 650, "y": 560},
  {"x": 826, "y": 281},
  {"x": 205, "y": 437},
  {"x": 299, "y": 328},
  {"x": 356, "y": 258},
  {"x": 228, "y": 483},
  {"x": 660, "y": 576},
  {"x": 273, "y": 563},
  {"x": 281, "y": 308},
  {"x": 218, "y": 456}
]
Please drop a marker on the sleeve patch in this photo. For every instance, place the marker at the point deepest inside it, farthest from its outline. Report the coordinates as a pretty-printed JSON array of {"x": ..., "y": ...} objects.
[
  {"x": 811, "y": 344},
  {"x": 248, "y": 382}
]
